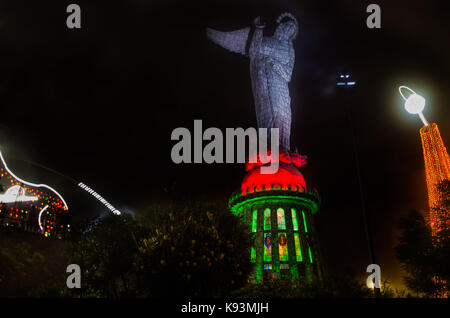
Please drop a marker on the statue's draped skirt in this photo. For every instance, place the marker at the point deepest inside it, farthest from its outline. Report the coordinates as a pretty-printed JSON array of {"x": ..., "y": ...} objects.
[{"x": 272, "y": 100}]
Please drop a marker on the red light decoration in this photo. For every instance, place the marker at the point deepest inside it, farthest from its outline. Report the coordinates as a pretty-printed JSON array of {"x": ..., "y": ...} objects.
[
  {"x": 287, "y": 176},
  {"x": 437, "y": 169},
  {"x": 25, "y": 215}
]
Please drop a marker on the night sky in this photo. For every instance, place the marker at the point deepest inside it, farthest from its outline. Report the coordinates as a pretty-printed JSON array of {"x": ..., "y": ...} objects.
[{"x": 98, "y": 105}]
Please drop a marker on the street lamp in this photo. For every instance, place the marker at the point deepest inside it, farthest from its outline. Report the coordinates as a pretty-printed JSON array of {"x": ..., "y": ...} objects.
[{"x": 414, "y": 103}]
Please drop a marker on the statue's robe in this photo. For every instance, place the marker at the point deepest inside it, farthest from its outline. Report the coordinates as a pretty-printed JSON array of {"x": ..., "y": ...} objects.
[{"x": 271, "y": 65}]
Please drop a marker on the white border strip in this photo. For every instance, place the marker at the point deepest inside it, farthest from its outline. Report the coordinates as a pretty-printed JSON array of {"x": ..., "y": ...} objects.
[{"x": 39, "y": 217}]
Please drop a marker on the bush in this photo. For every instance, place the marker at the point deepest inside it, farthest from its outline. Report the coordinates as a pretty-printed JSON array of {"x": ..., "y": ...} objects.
[
  {"x": 104, "y": 250},
  {"x": 201, "y": 250}
]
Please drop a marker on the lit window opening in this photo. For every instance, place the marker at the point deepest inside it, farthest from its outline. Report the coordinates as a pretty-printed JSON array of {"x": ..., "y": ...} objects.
[{"x": 281, "y": 219}]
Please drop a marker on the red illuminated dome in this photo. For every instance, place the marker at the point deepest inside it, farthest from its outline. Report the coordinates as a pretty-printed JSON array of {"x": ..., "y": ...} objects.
[{"x": 287, "y": 178}]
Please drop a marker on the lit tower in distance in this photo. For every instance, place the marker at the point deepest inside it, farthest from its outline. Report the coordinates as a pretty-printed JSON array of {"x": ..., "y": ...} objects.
[{"x": 437, "y": 162}]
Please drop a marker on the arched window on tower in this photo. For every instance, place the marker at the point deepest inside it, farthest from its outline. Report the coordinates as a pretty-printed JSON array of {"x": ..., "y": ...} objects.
[
  {"x": 267, "y": 247},
  {"x": 254, "y": 220},
  {"x": 298, "y": 249},
  {"x": 282, "y": 247},
  {"x": 281, "y": 219},
  {"x": 294, "y": 220},
  {"x": 267, "y": 226}
]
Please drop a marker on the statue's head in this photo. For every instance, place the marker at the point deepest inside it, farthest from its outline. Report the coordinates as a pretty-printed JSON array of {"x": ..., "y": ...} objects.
[{"x": 287, "y": 28}]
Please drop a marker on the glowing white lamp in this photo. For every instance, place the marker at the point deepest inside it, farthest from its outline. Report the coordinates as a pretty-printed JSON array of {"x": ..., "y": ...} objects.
[{"x": 414, "y": 103}]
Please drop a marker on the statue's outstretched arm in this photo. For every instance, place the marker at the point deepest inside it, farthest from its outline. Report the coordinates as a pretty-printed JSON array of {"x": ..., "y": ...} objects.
[
  {"x": 234, "y": 41},
  {"x": 257, "y": 38}
]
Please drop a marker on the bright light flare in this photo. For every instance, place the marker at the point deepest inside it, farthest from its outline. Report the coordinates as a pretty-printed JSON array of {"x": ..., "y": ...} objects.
[{"x": 414, "y": 103}]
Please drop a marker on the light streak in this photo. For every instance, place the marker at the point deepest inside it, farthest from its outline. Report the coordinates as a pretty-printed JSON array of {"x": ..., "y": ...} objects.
[
  {"x": 39, "y": 217},
  {"x": 99, "y": 197}
]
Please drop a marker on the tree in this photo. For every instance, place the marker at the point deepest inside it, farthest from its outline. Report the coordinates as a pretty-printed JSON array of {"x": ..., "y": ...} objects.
[
  {"x": 104, "y": 249},
  {"x": 423, "y": 256},
  {"x": 198, "y": 250},
  {"x": 15, "y": 264}
]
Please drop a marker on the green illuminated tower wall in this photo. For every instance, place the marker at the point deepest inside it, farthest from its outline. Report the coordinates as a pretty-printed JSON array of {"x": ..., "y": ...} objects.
[{"x": 286, "y": 217}]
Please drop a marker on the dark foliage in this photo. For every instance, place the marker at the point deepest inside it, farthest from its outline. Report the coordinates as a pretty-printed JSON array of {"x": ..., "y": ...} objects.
[
  {"x": 29, "y": 263},
  {"x": 104, "y": 250},
  {"x": 194, "y": 250},
  {"x": 426, "y": 258},
  {"x": 199, "y": 250}
]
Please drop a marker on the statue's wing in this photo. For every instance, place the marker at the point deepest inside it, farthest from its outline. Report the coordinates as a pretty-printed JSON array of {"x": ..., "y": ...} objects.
[{"x": 235, "y": 41}]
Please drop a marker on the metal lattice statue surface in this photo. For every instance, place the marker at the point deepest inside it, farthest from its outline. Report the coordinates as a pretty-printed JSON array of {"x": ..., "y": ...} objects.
[{"x": 271, "y": 64}]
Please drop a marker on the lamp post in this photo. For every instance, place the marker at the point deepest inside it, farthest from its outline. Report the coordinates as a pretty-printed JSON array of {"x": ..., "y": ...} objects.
[
  {"x": 345, "y": 81},
  {"x": 437, "y": 167}
]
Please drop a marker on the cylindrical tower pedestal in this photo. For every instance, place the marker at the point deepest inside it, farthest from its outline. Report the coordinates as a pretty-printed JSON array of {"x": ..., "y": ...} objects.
[{"x": 278, "y": 209}]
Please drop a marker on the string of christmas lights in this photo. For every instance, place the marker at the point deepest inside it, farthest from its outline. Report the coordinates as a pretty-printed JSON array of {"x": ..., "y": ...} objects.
[{"x": 437, "y": 169}]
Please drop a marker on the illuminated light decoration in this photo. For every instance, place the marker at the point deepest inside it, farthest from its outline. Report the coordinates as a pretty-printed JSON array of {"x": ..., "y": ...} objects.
[
  {"x": 39, "y": 217},
  {"x": 310, "y": 255},
  {"x": 34, "y": 207},
  {"x": 99, "y": 197},
  {"x": 436, "y": 158},
  {"x": 437, "y": 169},
  {"x": 287, "y": 176},
  {"x": 33, "y": 184},
  {"x": 16, "y": 194}
]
